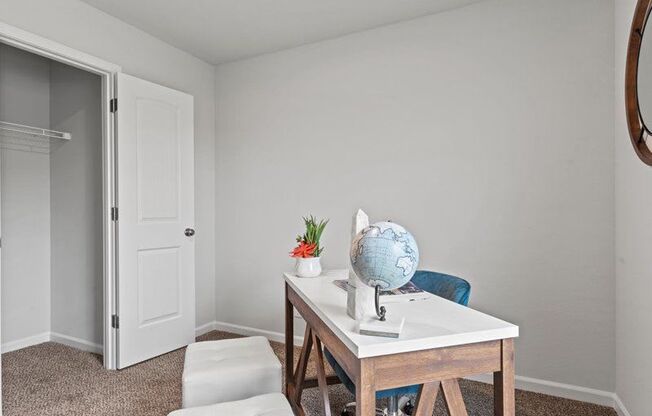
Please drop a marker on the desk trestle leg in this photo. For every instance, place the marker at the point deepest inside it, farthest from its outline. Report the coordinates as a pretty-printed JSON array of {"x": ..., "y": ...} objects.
[
  {"x": 425, "y": 403},
  {"x": 453, "y": 397},
  {"x": 504, "y": 401}
]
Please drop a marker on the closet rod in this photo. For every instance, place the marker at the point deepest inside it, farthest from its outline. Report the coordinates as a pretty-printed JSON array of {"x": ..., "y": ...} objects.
[
  {"x": 31, "y": 139},
  {"x": 32, "y": 131}
]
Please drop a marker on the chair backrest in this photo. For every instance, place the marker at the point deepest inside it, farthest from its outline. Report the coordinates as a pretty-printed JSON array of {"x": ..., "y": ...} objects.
[{"x": 448, "y": 287}]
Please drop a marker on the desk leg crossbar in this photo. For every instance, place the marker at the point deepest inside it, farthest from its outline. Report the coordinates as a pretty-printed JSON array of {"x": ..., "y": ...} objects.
[{"x": 297, "y": 381}]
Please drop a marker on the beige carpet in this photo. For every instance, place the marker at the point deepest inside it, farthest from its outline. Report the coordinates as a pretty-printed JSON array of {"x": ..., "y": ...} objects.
[{"x": 52, "y": 379}]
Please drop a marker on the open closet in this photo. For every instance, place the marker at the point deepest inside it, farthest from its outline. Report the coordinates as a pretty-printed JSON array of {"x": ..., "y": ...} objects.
[
  {"x": 51, "y": 209},
  {"x": 96, "y": 205}
]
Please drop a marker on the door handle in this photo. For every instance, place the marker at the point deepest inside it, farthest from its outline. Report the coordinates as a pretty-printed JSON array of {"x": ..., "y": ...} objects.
[{"x": 189, "y": 232}]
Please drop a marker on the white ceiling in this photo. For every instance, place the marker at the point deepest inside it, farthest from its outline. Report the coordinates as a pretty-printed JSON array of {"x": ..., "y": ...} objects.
[{"x": 219, "y": 31}]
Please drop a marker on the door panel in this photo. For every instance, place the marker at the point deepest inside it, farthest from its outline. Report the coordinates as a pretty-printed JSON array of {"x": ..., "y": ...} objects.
[
  {"x": 156, "y": 269},
  {"x": 158, "y": 168},
  {"x": 159, "y": 294}
]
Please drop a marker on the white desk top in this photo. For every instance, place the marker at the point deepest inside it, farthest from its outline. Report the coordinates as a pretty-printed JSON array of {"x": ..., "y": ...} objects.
[{"x": 429, "y": 323}]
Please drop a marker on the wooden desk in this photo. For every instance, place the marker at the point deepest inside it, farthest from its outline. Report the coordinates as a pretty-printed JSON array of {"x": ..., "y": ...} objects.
[{"x": 441, "y": 342}]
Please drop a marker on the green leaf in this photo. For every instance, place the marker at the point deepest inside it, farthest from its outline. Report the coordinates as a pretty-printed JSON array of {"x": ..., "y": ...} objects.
[{"x": 314, "y": 231}]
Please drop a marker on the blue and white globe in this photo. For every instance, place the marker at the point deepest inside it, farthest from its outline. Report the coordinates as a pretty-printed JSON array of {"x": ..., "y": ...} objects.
[{"x": 384, "y": 254}]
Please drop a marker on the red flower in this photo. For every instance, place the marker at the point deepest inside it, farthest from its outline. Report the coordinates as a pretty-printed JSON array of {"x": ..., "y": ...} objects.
[{"x": 304, "y": 250}]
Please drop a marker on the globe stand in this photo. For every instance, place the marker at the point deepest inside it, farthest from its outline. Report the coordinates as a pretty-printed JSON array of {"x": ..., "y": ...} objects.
[
  {"x": 380, "y": 325},
  {"x": 380, "y": 310}
]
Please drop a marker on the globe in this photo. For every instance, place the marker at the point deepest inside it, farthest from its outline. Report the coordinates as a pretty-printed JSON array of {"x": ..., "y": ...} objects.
[{"x": 384, "y": 254}]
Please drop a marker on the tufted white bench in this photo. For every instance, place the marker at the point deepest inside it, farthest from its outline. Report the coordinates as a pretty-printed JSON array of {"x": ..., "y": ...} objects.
[
  {"x": 273, "y": 404},
  {"x": 228, "y": 370}
]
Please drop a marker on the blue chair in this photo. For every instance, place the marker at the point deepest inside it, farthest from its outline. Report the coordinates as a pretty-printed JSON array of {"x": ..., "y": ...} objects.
[{"x": 448, "y": 287}]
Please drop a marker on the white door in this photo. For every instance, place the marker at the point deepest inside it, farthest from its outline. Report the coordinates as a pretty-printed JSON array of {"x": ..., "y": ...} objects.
[{"x": 155, "y": 220}]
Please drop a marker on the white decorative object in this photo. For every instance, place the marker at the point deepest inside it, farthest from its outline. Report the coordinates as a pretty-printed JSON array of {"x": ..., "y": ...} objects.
[
  {"x": 360, "y": 300},
  {"x": 308, "y": 267},
  {"x": 360, "y": 297},
  {"x": 273, "y": 404},
  {"x": 228, "y": 370}
]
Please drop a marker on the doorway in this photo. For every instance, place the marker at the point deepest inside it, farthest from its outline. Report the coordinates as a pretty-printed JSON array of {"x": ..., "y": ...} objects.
[
  {"x": 66, "y": 61},
  {"x": 50, "y": 203}
]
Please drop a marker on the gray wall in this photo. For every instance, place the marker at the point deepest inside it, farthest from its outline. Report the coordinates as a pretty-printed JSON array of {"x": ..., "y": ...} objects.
[
  {"x": 486, "y": 131},
  {"x": 76, "y": 204},
  {"x": 76, "y": 24},
  {"x": 633, "y": 246},
  {"x": 25, "y": 92},
  {"x": 25, "y": 206}
]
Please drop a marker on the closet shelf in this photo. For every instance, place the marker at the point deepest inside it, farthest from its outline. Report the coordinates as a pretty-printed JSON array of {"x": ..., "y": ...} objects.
[{"x": 30, "y": 139}]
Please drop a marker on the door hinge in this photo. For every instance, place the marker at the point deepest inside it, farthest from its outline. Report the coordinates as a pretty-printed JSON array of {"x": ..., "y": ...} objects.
[
  {"x": 113, "y": 105},
  {"x": 114, "y": 213},
  {"x": 115, "y": 322}
]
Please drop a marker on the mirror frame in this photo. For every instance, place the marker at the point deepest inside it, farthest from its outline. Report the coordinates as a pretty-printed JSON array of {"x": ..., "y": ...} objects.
[{"x": 638, "y": 131}]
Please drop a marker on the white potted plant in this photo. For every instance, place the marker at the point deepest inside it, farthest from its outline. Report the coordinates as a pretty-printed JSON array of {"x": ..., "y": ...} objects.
[{"x": 308, "y": 250}]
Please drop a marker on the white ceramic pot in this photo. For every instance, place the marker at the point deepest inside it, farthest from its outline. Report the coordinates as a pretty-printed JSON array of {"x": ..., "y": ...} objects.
[{"x": 308, "y": 267}]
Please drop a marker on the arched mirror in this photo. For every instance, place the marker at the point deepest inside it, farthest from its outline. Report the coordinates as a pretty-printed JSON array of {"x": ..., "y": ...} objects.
[{"x": 638, "y": 82}]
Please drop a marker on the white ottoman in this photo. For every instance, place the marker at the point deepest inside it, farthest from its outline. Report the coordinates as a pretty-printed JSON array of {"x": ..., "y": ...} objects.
[
  {"x": 273, "y": 404},
  {"x": 228, "y": 370}
]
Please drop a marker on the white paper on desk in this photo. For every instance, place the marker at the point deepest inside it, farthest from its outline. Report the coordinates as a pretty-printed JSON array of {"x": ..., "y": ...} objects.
[
  {"x": 408, "y": 297},
  {"x": 384, "y": 297}
]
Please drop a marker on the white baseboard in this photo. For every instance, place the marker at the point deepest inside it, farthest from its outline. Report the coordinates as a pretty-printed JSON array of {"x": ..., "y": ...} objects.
[
  {"x": 552, "y": 388},
  {"x": 51, "y": 336},
  {"x": 25, "y": 342},
  {"x": 620, "y": 407},
  {"x": 78, "y": 343},
  {"x": 203, "y": 329},
  {"x": 249, "y": 331},
  {"x": 98, "y": 349}
]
